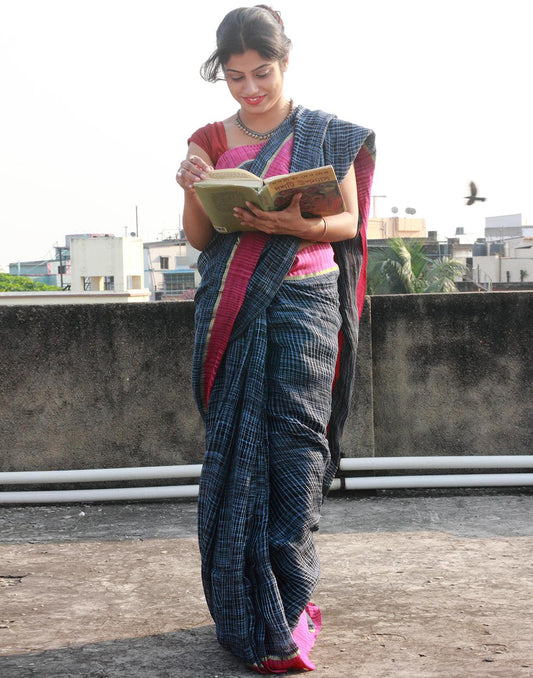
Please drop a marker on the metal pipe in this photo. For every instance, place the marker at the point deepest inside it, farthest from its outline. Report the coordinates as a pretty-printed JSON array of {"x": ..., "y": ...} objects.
[
  {"x": 476, "y": 461},
  {"x": 435, "y": 481},
  {"x": 190, "y": 491},
  {"x": 194, "y": 470},
  {"x": 110, "y": 494},
  {"x": 100, "y": 474}
]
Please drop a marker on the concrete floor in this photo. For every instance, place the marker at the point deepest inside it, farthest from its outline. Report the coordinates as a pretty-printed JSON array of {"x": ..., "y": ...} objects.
[{"x": 414, "y": 584}]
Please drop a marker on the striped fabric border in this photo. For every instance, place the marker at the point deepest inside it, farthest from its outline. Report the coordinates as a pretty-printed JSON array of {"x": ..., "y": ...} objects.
[{"x": 239, "y": 270}]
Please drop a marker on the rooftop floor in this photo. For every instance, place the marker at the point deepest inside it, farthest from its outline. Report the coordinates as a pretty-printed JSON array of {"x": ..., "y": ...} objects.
[{"x": 414, "y": 584}]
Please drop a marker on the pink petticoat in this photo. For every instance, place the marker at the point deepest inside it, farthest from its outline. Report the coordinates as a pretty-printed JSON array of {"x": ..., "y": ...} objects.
[{"x": 305, "y": 635}]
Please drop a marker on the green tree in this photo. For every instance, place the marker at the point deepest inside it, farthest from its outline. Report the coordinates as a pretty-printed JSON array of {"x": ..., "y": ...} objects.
[
  {"x": 403, "y": 268},
  {"x": 18, "y": 283}
]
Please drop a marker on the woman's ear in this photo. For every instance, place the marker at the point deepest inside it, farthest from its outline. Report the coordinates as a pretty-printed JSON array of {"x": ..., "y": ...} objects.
[{"x": 285, "y": 64}]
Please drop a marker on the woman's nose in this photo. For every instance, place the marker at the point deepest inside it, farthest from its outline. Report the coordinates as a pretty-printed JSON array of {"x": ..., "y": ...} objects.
[{"x": 250, "y": 87}]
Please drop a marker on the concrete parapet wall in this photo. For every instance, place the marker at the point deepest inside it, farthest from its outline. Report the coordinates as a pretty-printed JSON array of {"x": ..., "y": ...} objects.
[
  {"x": 109, "y": 385},
  {"x": 452, "y": 374},
  {"x": 56, "y": 298},
  {"x": 97, "y": 386}
]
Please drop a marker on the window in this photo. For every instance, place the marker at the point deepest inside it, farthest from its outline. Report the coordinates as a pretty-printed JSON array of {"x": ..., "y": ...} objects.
[
  {"x": 134, "y": 282},
  {"x": 177, "y": 283},
  {"x": 163, "y": 262},
  {"x": 181, "y": 250}
]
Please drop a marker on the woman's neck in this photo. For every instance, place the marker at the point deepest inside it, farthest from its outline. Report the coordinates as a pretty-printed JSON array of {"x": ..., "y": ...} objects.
[
  {"x": 267, "y": 120},
  {"x": 263, "y": 125}
]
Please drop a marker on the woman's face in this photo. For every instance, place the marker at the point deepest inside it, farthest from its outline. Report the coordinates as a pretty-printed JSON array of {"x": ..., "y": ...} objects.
[{"x": 254, "y": 82}]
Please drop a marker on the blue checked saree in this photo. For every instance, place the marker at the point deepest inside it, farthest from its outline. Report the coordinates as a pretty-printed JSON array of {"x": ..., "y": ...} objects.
[{"x": 266, "y": 357}]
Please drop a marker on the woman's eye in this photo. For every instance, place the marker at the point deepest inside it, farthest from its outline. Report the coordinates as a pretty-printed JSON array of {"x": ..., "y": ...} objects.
[
  {"x": 233, "y": 79},
  {"x": 263, "y": 75}
]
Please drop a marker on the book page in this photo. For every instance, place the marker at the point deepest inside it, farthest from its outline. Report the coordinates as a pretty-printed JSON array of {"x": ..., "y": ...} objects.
[
  {"x": 219, "y": 201},
  {"x": 234, "y": 177}
]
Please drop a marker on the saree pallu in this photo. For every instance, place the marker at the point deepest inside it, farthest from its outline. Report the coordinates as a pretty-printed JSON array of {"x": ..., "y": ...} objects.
[{"x": 265, "y": 360}]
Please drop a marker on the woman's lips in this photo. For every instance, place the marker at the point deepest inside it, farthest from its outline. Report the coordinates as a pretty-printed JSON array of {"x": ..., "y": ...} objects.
[{"x": 253, "y": 101}]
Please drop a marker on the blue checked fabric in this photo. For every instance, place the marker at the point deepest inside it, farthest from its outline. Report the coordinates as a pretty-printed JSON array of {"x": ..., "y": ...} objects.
[{"x": 268, "y": 461}]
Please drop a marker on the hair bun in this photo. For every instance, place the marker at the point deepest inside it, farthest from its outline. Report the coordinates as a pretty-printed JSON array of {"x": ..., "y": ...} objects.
[{"x": 274, "y": 13}]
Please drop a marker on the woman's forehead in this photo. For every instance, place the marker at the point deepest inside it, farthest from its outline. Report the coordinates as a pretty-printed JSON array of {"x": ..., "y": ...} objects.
[{"x": 248, "y": 61}]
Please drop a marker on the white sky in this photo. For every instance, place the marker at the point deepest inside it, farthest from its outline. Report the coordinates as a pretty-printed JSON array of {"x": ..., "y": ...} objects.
[{"x": 97, "y": 100}]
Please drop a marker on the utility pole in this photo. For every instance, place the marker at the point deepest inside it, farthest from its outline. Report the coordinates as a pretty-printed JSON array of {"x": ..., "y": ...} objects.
[{"x": 60, "y": 252}]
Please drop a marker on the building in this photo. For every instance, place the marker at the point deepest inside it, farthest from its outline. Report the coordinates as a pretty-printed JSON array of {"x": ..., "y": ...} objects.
[
  {"x": 170, "y": 271},
  {"x": 104, "y": 270},
  {"x": 512, "y": 264},
  {"x": 48, "y": 271},
  {"x": 504, "y": 258},
  {"x": 395, "y": 227},
  {"x": 106, "y": 263},
  {"x": 502, "y": 227},
  {"x": 52, "y": 271}
]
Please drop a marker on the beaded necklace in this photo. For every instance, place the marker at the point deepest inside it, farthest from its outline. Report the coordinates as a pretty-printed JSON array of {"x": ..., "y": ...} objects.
[{"x": 261, "y": 136}]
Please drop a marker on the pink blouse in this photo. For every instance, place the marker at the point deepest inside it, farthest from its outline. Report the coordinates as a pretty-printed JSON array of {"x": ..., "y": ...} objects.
[{"x": 314, "y": 259}]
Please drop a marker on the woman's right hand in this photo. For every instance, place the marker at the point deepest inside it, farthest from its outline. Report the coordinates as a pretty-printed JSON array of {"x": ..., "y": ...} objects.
[
  {"x": 192, "y": 170},
  {"x": 196, "y": 224}
]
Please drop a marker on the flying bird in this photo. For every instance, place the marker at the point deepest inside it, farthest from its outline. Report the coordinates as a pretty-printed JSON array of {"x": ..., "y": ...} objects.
[{"x": 471, "y": 199}]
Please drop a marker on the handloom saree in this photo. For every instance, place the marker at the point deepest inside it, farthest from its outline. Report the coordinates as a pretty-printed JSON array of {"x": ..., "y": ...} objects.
[{"x": 266, "y": 357}]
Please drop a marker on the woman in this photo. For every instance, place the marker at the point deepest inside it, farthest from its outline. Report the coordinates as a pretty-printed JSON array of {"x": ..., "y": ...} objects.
[{"x": 274, "y": 308}]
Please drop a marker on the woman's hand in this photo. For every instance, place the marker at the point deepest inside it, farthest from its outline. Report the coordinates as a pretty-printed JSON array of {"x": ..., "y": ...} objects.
[
  {"x": 289, "y": 221},
  {"x": 196, "y": 224},
  {"x": 285, "y": 222},
  {"x": 192, "y": 170}
]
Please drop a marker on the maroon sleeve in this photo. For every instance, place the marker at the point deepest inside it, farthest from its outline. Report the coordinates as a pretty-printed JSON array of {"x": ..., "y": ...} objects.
[{"x": 211, "y": 139}]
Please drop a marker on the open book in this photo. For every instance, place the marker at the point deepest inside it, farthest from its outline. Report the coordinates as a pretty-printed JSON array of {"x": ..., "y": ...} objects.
[{"x": 224, "y": 189}]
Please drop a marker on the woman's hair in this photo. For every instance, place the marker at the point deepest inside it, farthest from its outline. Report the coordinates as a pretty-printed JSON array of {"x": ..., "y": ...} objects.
[{"x": 259, "y": 28}]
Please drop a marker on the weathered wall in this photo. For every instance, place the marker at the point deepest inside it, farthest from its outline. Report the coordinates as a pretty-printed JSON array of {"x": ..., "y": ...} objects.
[
  {"x": 97, "y": 386},
  {"x": 104, "y": 386},
  {"x": 452, "y": 374}
]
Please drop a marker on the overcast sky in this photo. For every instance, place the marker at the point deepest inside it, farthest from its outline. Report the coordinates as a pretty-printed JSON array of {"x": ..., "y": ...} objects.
[{"x": 98, "y": 99}]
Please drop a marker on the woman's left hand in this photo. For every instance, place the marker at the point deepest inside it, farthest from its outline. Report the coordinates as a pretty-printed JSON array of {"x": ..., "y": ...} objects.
[{"x": 285, "y": 222}]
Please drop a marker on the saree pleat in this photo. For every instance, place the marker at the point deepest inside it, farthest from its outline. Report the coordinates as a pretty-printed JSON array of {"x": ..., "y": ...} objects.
[
  {"x": 260, "y": 493},
  {"x": 300, "y": 367}
]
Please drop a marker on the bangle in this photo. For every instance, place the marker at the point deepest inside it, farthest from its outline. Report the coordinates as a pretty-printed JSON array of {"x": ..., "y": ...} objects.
[{"x": 325, "y": 229}]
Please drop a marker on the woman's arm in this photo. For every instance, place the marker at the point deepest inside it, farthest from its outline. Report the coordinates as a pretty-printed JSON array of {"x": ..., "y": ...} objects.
[
  {"x": 290, "y": 221},
  {"x": 198, "y": 229}
]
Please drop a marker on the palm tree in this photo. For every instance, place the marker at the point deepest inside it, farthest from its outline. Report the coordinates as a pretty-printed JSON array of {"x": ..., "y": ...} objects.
[{"x": 403, "y": 268}]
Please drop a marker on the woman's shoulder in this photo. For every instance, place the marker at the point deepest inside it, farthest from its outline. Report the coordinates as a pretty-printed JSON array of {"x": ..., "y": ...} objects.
[
  {"x": 338, "y": 133},
  {"x": 212, "y": 139},
  {"x": 333, "y": 122}
]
